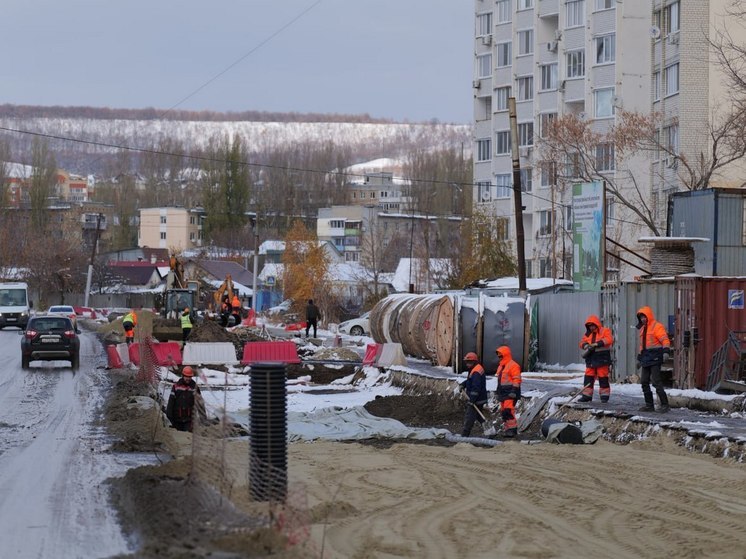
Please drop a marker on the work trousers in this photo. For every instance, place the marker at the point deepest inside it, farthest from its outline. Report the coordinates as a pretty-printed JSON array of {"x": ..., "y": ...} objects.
[
  {"x": 652, "y": 375},
  {"x": 471, "y": 417},
  {"x": 604, "y": 389}
]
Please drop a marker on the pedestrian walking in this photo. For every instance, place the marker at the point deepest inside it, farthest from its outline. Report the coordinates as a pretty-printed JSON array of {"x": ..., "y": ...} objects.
[
  {"x": 186, "y": 324},
  {"x": 312, "y": 317},
  {"x": 654, "y": 343},
  {"x": 475, "y": 388},
  {"x": 596, "y": 345},
  {"x": 181, "y": 401},
  {"x": 128, "y": 323},
  {"x": 508, "y": 389}
]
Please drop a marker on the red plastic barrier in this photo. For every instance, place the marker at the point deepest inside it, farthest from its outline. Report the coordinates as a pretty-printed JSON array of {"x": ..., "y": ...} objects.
[
  {"x": 295, "y": 327},
  {"x": 112, "y": 355},
  {"x": 167, "y": 354},
  {"x": 134, "y": 350},
  {"x": 269, "y": 352},
  {"x": 250, "y": 319},
  {"x": 371, "y": 353}
]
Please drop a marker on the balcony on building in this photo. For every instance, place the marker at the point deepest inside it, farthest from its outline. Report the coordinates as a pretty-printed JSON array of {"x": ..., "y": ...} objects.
[{"x": 548, "y": 8}]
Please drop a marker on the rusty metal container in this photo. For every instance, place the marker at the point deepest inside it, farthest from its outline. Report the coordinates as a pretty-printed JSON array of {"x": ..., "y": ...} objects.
[{"x": 707, "y": 309}]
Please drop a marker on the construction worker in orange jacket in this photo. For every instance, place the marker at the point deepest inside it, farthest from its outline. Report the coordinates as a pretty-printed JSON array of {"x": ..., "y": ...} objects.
[
  {"x": 654, "y": 343},
  {"x": 236, "y": 309},
  {"x": 128, "y": 323},
  {"x": 508, "y": 389},
  {"x": 475, "y": 387},
  {"x": 596, "y": 346}
]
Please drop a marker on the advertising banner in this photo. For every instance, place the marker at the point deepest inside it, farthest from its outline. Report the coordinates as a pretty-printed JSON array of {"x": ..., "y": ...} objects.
[{"x": 589, "y": 235}]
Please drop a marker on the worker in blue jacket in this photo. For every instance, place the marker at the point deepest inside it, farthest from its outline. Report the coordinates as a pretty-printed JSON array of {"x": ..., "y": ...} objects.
[{"x": 475, "y": 388}]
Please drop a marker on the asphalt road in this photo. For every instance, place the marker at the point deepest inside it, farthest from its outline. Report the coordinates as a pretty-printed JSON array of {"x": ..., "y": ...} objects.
[{"x": 54, "y": 459}]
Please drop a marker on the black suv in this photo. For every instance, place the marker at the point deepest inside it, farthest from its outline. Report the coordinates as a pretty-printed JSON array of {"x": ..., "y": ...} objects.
[{"x": 50, "y": 338}]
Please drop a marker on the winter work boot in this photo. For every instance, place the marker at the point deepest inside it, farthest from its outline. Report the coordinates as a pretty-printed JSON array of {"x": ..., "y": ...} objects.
[
  {"x": 584, "y": 399},
  {"x": 604, "y": 399},
  {"x": 647, "y": 407},
  {"x": 664, "y": 408},
  {"x": 510, "y": 433}
]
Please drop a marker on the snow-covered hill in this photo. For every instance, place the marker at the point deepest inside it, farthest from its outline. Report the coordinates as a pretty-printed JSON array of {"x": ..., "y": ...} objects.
[{"x": 259, "y": 136}]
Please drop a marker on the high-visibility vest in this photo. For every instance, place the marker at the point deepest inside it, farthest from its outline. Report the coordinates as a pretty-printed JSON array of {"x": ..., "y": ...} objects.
[{"x": 186, "y": 321}]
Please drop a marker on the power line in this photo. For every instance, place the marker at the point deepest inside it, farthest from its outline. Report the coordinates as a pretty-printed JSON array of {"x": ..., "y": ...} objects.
[{"x": 245, "y": 56}]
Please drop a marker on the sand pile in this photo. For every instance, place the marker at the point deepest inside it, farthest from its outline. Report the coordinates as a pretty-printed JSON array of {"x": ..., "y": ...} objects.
[{"x": 144, "y": 325}]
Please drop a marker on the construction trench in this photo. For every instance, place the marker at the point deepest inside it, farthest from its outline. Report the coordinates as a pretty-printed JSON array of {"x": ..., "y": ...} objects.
[{"x": 340, "y": 486}]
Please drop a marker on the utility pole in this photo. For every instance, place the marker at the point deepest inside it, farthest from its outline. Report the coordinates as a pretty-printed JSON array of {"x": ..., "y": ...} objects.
[
  {"x": 517, "y": 198},
  {"x": 93, "y": 257},
  {"x": 256, "y": 261}
]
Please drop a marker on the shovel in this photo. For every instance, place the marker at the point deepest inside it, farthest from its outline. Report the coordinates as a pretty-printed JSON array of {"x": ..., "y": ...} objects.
[{"x": 489, "y": 431}]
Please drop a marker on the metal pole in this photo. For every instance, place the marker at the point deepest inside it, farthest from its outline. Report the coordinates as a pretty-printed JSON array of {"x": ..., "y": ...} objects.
[
  {"x": 89, "y": 278},
  {"x": 411, "y": 240},
  {"x": 517, "y": 198},
  {"x": 256, "y": 261}
]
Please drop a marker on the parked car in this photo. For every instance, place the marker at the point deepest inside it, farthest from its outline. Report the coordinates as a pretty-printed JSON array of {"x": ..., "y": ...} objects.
[
  {"x": 50, "y": 337},
  {"x": 85, "y": 312},
  {"x": 359, "y": 326},
  {"x": 64, "y": 310}
]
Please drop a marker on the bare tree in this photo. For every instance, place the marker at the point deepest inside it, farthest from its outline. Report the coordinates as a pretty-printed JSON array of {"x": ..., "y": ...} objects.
[{"x": 41, "y": 185}]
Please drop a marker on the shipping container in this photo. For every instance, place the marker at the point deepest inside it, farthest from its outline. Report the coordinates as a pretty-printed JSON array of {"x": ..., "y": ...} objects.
[
  {"x": 718, "y": 216},
  {"x": 708, "y": 309}
]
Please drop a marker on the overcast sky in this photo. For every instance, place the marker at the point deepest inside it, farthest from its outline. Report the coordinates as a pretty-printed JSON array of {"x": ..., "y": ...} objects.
[{"x": 400, "y": 59}]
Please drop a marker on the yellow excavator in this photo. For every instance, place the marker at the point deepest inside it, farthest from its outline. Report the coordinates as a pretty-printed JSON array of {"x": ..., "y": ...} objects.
[
  {"x": 179, "y": 294},
  {"x": 226, "y": 288}
]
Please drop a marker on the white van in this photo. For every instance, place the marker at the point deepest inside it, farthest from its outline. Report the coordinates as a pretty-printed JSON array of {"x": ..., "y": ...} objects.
[{"x": 14, "y": 305}]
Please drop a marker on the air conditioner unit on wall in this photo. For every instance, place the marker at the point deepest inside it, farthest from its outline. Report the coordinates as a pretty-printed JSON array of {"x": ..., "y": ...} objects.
[
  {"x": 476, "y": 83},
  {"x": 673, "y": 39},
  {"x": 524, "y": 151},
  {"x": 487, "y": 40},
  {"x": 672, "y": 162},
  {"x": 552, "y": 46}
]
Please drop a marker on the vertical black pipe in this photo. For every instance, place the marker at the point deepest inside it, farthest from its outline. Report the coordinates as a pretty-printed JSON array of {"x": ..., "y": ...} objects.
[{"x": 268, "y": 459}]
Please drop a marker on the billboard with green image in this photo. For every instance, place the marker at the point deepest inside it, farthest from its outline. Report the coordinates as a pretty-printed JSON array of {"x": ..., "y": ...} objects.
[{"x": 589, "y": 235}]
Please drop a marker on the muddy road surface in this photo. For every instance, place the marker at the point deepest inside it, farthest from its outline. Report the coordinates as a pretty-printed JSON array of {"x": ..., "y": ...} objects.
[{"x": 54, "y": 457}]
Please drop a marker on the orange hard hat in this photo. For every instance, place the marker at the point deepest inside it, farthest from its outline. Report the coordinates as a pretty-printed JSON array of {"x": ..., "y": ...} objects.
[
  {"x": 471, "y": 356},
  {"x": 187, "y": 371}
]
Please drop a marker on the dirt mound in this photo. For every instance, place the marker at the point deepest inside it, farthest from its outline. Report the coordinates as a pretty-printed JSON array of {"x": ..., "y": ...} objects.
[
  {"x": 209, "y": 331},
  {"x": 336, "y": 354}
]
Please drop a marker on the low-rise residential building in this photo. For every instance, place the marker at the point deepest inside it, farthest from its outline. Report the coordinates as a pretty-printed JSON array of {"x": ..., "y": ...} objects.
[{"x": 381, "y": 190}]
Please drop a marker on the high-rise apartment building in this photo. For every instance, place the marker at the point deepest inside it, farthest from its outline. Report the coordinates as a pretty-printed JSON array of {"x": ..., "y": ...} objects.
[{"x": 593, "y": 59}]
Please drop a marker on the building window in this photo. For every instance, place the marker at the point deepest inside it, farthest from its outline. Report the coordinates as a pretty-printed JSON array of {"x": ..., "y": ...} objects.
[
  {"x": 605, "y": 49},
  {"x": 501, "y": 98},
  {"x": 525, "y": 42},
  {"x": 548, "y": 77},
  {"x": 527, "y": 180},
  {"x": 336, "y": 223},
  {"x": 576, "y": 64},
  {"x": 484, "y": 24},
  {"x": 656, "y": 86},
  {"x": 604, "y": 100},
  {"x": 504, "y": 55},
  {"x": 483, "y": 150},
  {"x": 526, "y": 88},
  {"x": 545, "y": 223},
  {"x": 672, "y": 79},
  {"x": 483, "y": 191},
  {"x": 504, "y": 11},
  {"x": 672, "y": 18},
  {"x": 525, "y": 4},
  {"x": 192, "y": 220},
  {"x": 605, "y": 4},
  {"x": 548, "y": 174},
  {"x": 568, "y": 218},
  {"x": 163, "y": 235},
  {"x": 484, "y": 65},
  {"x": 526, "y": 134},
  {"x": 545, "y": 268},
  {"x": 502, "y": 228},
  {"x": 191, "y": 236},
  {"x": 504, "y": 185},
  {"x": 572, "y": 165},
  {"x": 604, "y": 157},
  {"x": 502, "y": 142},
  {"x": 163, "y": 220},
  {"x": 671, "y": 135},
  {"x": 574, "y": 13},
  {"x": 545, "y": 122}
]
